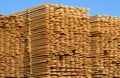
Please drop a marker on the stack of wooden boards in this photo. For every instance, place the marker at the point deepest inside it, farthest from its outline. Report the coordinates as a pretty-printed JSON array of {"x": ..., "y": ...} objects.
[
  {"x": 11, "y": 47},
  {"x": 68, "y": 41},
  {"x": 65, "y": 42},
  {"x": 26, "y": 40},
  {"x": 59, "y": 41},
  {"x": 105, "y": 46},
  {"x": 35, "y": 23},
  {"x": 68, "y": 35}
]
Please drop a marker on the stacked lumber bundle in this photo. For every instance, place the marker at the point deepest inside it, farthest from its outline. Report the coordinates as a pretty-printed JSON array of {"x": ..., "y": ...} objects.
[
  {"x": 39, "y": 41},
  {"x": 68, "y": 34},
  {"x": 59, "y": 40},
  {"x": 26, "y": 40},
  {"x": 34, "y": 23},
  {"x": 105, "y": 42},
  {"x": 11, "y": 54}
]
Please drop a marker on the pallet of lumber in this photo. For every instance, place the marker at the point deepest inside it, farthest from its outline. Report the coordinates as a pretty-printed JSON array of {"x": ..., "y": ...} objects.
[
  {"x": 58, "y": 41},
  {"x": 105, "y": 46},
  {"x": 10, "y": 50},
  {"x": 66, "y": 39},
  {"x": 62, "y": 42},
  {"x": 69, "y": 41}
]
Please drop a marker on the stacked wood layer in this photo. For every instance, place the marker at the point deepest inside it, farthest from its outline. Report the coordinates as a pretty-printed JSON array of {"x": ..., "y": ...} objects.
[
  {"x": 34, "y": 17},
  {"x": 62, "y": 42},
  {"x": 11, "y": 46},
  {"x": 68, "y": 41},
  {"x": 105, "y": 42},
  {"x": 59, "y": 41}
]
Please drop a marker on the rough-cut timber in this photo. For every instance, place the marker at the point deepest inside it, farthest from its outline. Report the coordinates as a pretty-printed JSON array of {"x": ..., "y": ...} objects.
[
  {"x": 11, "y": 47},
  {"x": 105, "y": 42},
  {"x": 59, "y": 41},
  {"x": 63, "y": 42}
]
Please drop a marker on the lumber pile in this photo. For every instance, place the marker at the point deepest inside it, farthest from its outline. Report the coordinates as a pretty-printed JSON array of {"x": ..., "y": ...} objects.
[
  {"x": 68, "y": 35},
  {"x": 11, "y": 54},
  {"x": 59, "y": 41},
  {"x": 34, "y": 19},
  {"x": 105, "y": 41},
  {"x": 64, "y": 42},
  {"x": 56, "y": 40},
  {"x": 26, "y": 40},
  {"x": 39, "y": 41}
]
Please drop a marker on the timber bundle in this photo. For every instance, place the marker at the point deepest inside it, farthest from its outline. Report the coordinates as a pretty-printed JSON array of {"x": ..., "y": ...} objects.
[
  {"x": 11, "y": 46},
  {"x": 56, "y": 41}
]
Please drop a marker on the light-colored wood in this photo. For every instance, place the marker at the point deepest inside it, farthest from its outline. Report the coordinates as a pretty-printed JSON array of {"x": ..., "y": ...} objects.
[
  {"x": 104, "y": 41},
  {"x": 10, "y": 54},
  {"x": 62, "y": 42}
]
